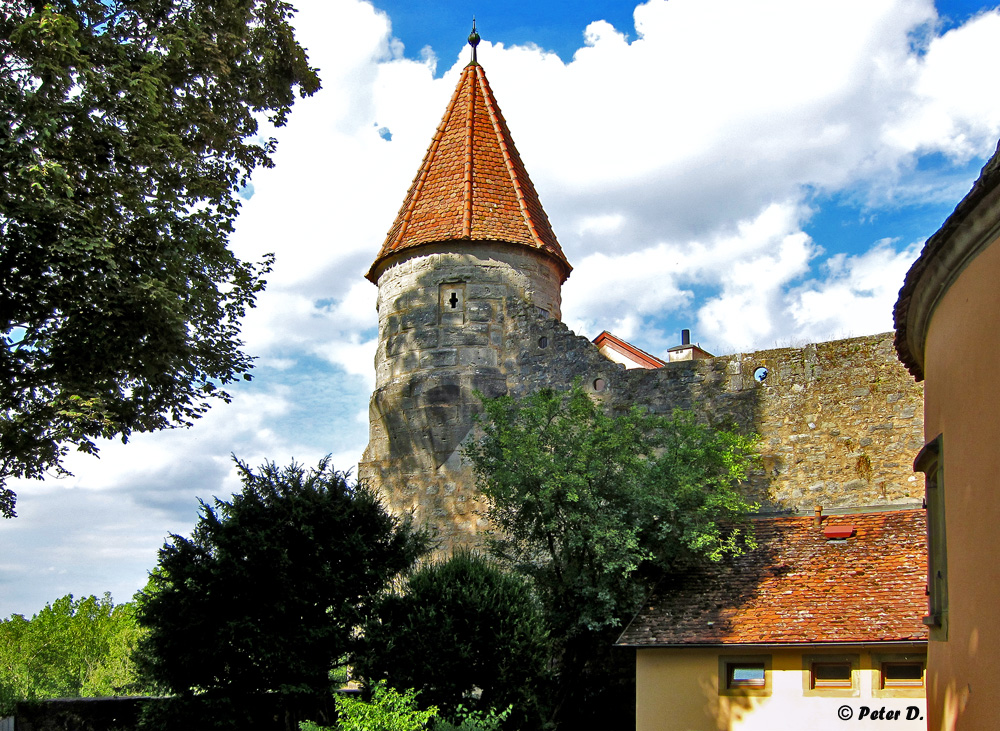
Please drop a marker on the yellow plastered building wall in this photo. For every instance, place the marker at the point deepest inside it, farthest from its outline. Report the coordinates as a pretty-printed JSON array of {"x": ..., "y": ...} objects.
[
  {"x": 962, "y": 404},
  {"x": 947, "y": 322},
  {"x": 678, "y": 689}
]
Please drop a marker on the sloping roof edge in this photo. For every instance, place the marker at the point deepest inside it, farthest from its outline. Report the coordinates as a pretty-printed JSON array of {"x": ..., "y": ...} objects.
[
  {"x": 626, "y": 348},
  {"x": 941, "y": 260},
  {"x": 797, "y": 588}
]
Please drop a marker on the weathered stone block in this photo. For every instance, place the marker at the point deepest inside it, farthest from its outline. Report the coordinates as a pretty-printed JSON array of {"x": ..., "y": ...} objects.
[
  {"x": 409, "y": 341},
  {"x": 473, "y": 333},
  {"x": 477, "y": 357},
  {"x": 479, "y": 311},
  {"x": 438, "y": 358},
  {"x": 419, "y": 317},
  {"x": 482, "y": 291}
]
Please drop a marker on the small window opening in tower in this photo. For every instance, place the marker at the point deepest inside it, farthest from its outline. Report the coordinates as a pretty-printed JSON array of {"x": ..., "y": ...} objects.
[
  {"x": 451, "y": 304},
  {"x": 760, "y": 374}
]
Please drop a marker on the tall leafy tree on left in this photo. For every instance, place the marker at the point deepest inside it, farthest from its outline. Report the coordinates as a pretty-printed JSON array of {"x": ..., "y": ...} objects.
[
  {"x": 128, "y": 129},
  {"x": 72, "y": 647}
]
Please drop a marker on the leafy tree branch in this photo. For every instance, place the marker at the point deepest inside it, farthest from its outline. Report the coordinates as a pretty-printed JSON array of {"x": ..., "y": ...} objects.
[
  {"x": 127, "y": 130},
  {"x": 595, "y": 508}
]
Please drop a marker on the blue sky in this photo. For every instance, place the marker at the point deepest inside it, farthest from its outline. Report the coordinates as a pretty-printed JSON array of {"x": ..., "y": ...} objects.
[
  {"x": 559, "y": 27},
  {"x": 760, "y": 171},
  {"x": 555, "y": 26}
]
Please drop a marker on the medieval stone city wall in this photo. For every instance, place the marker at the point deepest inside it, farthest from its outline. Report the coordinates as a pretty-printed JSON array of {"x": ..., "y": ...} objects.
[{"x": 838, "y": 422}]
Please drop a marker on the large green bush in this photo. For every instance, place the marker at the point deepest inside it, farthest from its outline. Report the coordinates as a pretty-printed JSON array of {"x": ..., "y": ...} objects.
[
  {"x": 462, "y": 632},
  {"x": 267, "y": 593},
  {"x": 594, "y": 508},
  {"x": 388, "y": 710}
]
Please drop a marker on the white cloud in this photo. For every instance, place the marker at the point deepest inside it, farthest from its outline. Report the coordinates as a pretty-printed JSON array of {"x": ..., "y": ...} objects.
[
  {"x": 952, "y": 108},
  {"x": 677, "y": 169},
  {"x": 856, "y": 295},
  {"x": 652, "y": 157}
]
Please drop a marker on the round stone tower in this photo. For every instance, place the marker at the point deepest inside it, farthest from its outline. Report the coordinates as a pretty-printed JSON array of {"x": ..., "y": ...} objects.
[{"x": 470, "y": 241}]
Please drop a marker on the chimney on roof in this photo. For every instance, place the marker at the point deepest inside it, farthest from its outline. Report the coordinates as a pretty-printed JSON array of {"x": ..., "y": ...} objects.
[
  {"x": 685, "y": 337},
  {"x": 818, "y": 520}
]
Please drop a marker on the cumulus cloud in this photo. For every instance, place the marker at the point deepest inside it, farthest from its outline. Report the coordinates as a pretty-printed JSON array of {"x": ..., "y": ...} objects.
[
  {"x": 680, "y": 161},
  {"x": 655, "y": 157},
  {"x": 855, "y": 295},
  {"x": 948, "y": 108}
]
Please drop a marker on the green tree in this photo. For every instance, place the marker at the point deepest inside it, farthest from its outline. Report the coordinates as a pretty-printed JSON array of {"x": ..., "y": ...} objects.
[
  {"x": 127, "y": 130},
  {"x": 459, "y": 627},
  {"x": 594, "y": 509},
  {"x": 388, "y": 710},
  {"x": 267, "y": 592},
  {"x": 72, "y": 647}
]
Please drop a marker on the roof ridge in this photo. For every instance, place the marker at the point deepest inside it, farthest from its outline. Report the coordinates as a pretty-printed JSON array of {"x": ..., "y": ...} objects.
[
  {"x": 503, "y": 133},
  {"x": 470, "y": 128},
  {"x": 418, "y": 184}
]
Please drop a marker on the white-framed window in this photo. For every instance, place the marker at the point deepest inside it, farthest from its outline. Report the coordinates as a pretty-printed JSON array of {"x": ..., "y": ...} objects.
[
  {"x": 901, "y": 675},
  {"x": 830, "y": 675},
  {"x": 745, "y": 674}
]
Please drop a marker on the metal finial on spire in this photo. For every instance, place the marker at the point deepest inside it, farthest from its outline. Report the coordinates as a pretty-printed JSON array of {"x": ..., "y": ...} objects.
[{"x": 474, "y": 41}]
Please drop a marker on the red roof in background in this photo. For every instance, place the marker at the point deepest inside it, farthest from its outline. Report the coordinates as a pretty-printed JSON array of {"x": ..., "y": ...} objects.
[
  {"x": 797, "y": 586},
  {"x": 472, "y": 185},
  {"x": 640, "y": 357}
]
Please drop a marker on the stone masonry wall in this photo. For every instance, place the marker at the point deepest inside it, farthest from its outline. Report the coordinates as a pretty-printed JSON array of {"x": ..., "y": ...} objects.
[
  {"x": 444, "y": 307},
  {"x": 839, "y": 422},
  {"x": 442, "y": 324}
]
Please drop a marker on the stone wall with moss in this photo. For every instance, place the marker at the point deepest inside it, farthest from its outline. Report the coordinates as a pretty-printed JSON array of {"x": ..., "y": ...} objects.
[{"x": 838, "y": 423}]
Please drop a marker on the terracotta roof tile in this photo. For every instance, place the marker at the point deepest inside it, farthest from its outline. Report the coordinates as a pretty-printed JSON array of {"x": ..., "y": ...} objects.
[
  {"x": 797, "y": 586},
  {"x": 472, "y": 185}
]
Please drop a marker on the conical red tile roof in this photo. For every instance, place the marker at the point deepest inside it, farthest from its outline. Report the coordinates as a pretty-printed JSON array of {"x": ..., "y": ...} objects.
[{"x": 472, "y": 185}]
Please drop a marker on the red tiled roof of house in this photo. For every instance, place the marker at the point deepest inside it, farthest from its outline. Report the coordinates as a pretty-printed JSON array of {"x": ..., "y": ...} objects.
[
  {"x": 799, "y": 587},
  {"x": 472, "y": 185}
]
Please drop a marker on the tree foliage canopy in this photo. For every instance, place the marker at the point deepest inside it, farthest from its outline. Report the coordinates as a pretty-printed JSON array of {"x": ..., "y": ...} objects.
[
  {"x": 596, "y": 508},
  {"x": 127, "y": 130},
  {"x": 456, "y": 627},
  {"x": 584, "y": 502},
  {"x": 72, "y": 647},
  {"x": 267, "y": 592}
]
